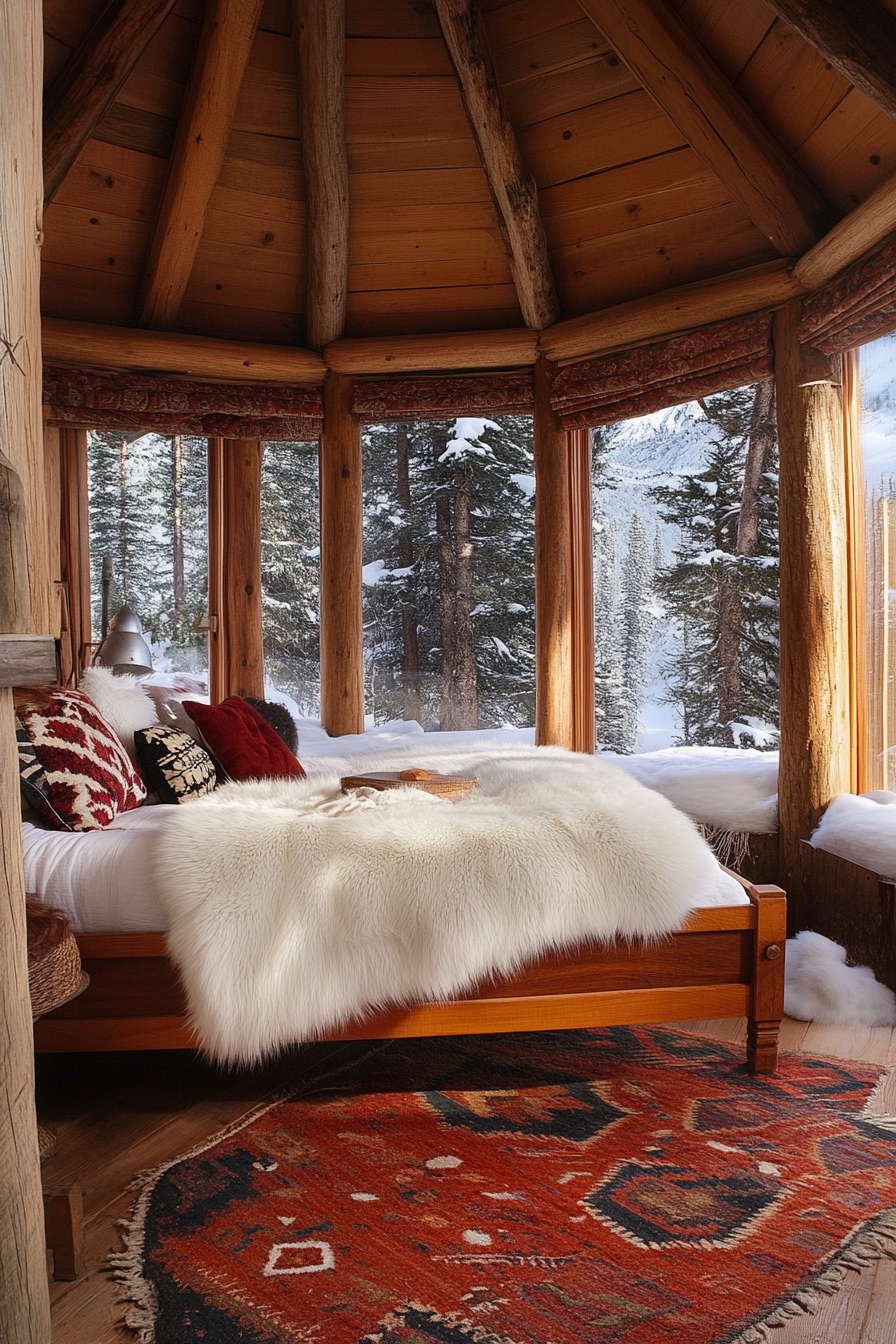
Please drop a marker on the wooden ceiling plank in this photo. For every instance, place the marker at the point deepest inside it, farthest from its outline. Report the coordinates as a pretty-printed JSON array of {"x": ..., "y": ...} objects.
[
  {"x": 511, "y": 183},
  {"x": 852, "y": 152},
  {"x": 716, "y": 121},
  {"x": 862, "y": 229},
  {"x": 319, "y": 27},
  {"x": 198, "y": 154},
  {"x": 102, "y": 347},
  {"x": 89, "y": 82},
  {"x": 858, "y": 39}
]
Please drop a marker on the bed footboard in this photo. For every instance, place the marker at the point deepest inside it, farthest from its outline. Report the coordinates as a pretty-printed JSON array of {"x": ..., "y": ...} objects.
[{"x": 724, "y": 962}]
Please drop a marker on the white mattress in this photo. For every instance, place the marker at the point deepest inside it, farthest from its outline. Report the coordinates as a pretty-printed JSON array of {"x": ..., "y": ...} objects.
[{"x": 103, "y": 880}]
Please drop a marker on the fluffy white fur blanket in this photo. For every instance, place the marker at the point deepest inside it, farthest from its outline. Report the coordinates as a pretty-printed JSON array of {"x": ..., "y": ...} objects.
[{"x": 293, "y": 907}]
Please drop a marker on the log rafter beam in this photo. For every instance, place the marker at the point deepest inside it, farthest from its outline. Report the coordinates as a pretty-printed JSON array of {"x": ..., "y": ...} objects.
[
  {"x": 511, "y": 183},
  {"x": 203, "y": 130},
  {"x": 858, "y": 39},
  {"x": 89, "y": 82},
  {"x": 720, "y": 127},
  {"x": 319, "y": 33}
]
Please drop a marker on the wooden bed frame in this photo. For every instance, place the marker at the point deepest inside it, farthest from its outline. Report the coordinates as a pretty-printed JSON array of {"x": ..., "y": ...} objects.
[{"x": 726, "y": 961}]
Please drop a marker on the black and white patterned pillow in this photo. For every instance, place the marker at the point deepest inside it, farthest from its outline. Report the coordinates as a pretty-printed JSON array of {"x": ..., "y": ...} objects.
[
  {"x": 174, "y": 763},
  {"x": 35, "y": 786}
]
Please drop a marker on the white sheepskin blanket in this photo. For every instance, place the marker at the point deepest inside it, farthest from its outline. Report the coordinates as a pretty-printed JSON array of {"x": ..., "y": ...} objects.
[{"x": 293, "y": 907}]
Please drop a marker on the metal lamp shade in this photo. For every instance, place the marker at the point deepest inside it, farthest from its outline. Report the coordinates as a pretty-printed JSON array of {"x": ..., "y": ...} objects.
[{"x": 124, "y": 649}]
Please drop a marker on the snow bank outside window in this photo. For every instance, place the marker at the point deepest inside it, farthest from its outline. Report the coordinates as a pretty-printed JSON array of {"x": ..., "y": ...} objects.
[{"x": 861, "y": 828}]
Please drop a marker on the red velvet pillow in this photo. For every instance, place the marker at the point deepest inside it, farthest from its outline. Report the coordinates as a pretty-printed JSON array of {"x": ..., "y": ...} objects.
[{"x": 239, "y": 738}]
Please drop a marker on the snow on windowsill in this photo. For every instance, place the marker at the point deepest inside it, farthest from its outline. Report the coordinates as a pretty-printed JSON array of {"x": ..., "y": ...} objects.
[
  {"x": 861, "y": 828},
  {"x": 724, "y": 787}
]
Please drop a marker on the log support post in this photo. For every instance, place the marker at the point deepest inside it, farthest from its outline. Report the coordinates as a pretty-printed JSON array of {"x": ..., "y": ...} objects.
[
  {"x": 553, "y": 563},
  {"x": 240, "y": 661},
  {"x": 564, "y": 619},
  {"x": 578, "y": 466},
  {"x": 24, "y": 1296},
  {"x": 341, "y": 627},
  {"x": 814, "y": 706}
]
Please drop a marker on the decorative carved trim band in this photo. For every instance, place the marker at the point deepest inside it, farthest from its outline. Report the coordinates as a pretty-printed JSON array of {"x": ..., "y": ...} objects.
[
  {"x": 858, "y": 305},
  {"x": 179, "y": 406},
  {"x": 636, "y": 382},
  {"x": 441, "y": 398}
]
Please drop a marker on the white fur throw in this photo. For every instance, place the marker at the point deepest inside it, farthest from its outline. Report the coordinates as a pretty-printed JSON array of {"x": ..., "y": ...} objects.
[
  {"x": 122, "y": 701},
  {"x": 293, "y": 907},
  {"x": 820, "y": 987}
]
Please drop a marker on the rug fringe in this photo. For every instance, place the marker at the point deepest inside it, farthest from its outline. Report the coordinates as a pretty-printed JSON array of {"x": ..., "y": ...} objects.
[
  {"x": 876, "y": 1241},
  {"x": 127, "y": 1265}
]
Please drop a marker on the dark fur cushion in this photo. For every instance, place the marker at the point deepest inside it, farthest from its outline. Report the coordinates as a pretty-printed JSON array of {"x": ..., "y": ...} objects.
[{"x": 278, "y": 717}]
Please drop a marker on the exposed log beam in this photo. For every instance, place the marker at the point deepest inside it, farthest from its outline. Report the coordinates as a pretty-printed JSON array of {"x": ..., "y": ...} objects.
[
  {"x": 815, "y": 755},
  {"x": 513, "y": 349},
  {"x": 643, "y": 320},
  {"x": 89, "y": 82},
  {"x": 510, "y": 181},
  {"x": 674, "y": 68},
  {"x": 86, "y": 345},
  {"x": 341, "y": 624},
  {"x": 319, "y": 30},
  {"x": 858, "y": 39},
  {"x": 860, "y": 230},
  {"x": 228, "y": 32}
]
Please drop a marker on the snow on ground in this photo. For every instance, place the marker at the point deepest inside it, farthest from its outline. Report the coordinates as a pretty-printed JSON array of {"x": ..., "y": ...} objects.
[
  {"x": 716, "y": 786},
  {"x": 861, "y": 828}
]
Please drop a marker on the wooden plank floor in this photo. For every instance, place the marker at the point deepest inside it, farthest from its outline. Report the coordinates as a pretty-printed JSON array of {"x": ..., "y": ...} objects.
[{"x": 118, "y": 1114}]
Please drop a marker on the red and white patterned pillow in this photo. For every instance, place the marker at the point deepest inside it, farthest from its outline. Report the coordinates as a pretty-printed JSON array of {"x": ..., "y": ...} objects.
[{"x": 88, "y": 778}]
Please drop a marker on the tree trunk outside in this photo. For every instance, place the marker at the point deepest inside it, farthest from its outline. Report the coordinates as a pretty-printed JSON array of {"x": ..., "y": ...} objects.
[
  {"x": 465, "y": 694},
  {"x": 762, "y": 437},
  {"x": 177, "y": 537},
  {"x": 410, "y": 651}
]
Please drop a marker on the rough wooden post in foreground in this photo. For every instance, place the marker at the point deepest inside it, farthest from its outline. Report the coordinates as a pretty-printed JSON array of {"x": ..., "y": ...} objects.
[
  {"x": 24, "y": 1297},
  {"x": 243, "y": 670},
  {"x": 553, "y": 589},
  {"x": 815, "y": 748},
  {"x": 578, "y": 466},
  {"x": 341, "y": 627}
]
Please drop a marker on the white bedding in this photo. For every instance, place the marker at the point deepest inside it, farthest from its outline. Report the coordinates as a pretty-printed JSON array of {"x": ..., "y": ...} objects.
[{"x": 104, "y": 880}]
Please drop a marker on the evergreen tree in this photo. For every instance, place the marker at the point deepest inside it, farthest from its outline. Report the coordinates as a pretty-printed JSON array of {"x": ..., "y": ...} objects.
[
  {"x": 722, "y": 584},
  {"x": 638, "y": 619},
  {"x": 290, "y": 571},
  {"x": 449, "y": 574}
]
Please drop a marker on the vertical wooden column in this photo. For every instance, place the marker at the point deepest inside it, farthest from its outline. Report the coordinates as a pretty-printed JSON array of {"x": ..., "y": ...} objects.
[
  {"x": 341, "y": 628},
  {"x": 74, "y": 552},
  {"x": 582, "y": 588},
  {"x": 217, "y": 633},
  {"x": 861, "y": 778},
  {"x": 243, "y": 659},
  {"x": 815, "y": 755},
  {"x": 24, "y": 1296},
  {"x": 554, "y": 720}
]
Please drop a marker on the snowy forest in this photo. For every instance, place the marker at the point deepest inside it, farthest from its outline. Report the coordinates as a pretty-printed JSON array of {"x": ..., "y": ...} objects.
[{"x": 685, "y": 568}]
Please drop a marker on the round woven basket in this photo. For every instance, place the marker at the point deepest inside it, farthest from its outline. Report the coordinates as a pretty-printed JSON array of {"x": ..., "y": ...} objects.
[{"x": 56, "y": 977}]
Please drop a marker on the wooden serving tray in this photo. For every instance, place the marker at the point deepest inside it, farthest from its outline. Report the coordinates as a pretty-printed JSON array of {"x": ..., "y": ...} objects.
[{"x": 445, "y": 786}]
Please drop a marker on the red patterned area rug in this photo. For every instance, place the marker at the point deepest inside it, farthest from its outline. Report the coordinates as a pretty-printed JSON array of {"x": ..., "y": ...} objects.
[{"x": 626, "y": 1184}]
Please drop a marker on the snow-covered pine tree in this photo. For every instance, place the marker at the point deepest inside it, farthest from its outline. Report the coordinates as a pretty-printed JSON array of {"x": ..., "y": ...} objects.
[
  {"x": 448, "y": 544},
  {"x": 290, "y": 571},
  {"x": 722, "y": 584},
  {"x": 638, "y": 618},
  {"x": 611, "y": 718}
]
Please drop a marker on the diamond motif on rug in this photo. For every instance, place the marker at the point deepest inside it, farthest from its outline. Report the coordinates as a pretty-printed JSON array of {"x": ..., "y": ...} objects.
[{"x": 620, "y": 1186}]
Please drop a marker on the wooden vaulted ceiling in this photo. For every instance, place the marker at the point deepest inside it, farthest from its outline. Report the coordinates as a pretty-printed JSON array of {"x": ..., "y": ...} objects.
[{"x": 549, "y": 159}]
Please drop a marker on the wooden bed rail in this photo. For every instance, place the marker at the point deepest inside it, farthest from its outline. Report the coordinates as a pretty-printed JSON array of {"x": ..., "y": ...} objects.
[{"x": 724, "y": 962}]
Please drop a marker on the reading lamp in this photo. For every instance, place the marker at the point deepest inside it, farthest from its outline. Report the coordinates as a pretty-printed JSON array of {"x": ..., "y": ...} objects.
[{"x": 123, "y": 648}]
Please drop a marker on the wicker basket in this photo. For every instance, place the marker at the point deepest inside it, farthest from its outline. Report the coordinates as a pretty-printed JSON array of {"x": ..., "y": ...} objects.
[
  {"x": 56, "y": 977},
  {"x": 445, "y": 786}
]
